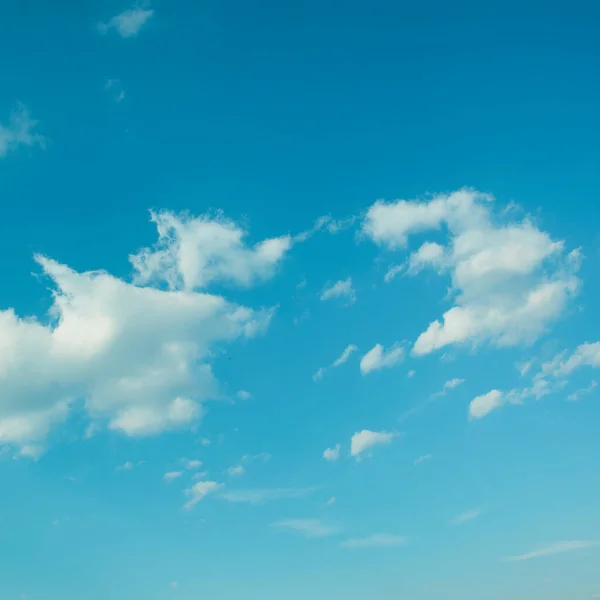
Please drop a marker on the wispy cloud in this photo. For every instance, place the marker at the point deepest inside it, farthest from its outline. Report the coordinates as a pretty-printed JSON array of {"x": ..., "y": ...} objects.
[
  {"x": 344, "y": 356},
  {"x": 172, "y": 476},
  {"x": 340, "y": 289},
  {"x": 199, "y": 491},
  {"x": 128, "y": 23},
  {"x": 307, "y": 527},
  {"x": 19, "y": 131},
  {"x": 116, "y": 89},
  {"x": 377, "y": 358},
  {"x": 265, "y": 495},
  {"x": 378, "y": 540},
  {"x": 365, "y": 439},
  {"x": 465, "y": 517},
  {"x": 574, "y": 397},
  {"x": 422, "y": 459},
  {"x": 552, "y": 549},
  {"x": 448, "y": 385},
  {"x": 236, "y": 471}
]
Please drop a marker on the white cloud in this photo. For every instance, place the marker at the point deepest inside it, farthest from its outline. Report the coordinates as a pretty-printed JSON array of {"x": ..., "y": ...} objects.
[
  {"x": 449, "y": 385},
  {"x": 19, "y": 131},
  {"x": 265, "y": 495},
  {"x": 172, "y": 476},
  {"x": 310, "y": 528},
  {"x": 378, "y": 540},
  {"x": 574, "y": 397},
  {"x": 392, "y": 272},
  {"x": 192, "y": 253},
  {"x": 485, "y": 404},
  {"x": 199, "y": 491},
  {"x": 244, "y": 395},
  {"x": 345, "y": 355},
  {"x": 365, "y": 439},
  {"x": 205, "y": 442},
  {"x": 556, "y": 548},
  {"x": 376, "y": 358},
  {"x": 264, "y": 456},
  {"x": 136, "y": 357},
  {"x": 128, "y": 23},
  {"x": 332, "y": 454},
  {"x": 340, "y": 289},
  {"x": 236, "y": 471},
  {"x": 192, "y": 464},
  {"x": 127, "y": 466},
  {"x": 470, "y": 515},
  {"x": 585, "y": 355},
  {"x": 410, "y": 373},
  {"x": 331, "y": 501},
  {"x": 422, "y": 459},
  {"x": 510, "y": 280}
]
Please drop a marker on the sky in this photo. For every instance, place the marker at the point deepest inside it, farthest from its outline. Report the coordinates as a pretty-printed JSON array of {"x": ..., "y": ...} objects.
[{"x": 299, "y": 300}]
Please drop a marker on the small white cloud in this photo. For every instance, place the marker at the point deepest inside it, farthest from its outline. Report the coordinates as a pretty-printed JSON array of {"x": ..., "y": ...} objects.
[
  {"x": 410, "y": 373},
  {"x": 345, "y": 355},
  {"x": 244, "y": 395},
  {"x": 262, "y": 456},
  {"x": 205, "y": 442},
  {"x": 172, "y": 476},
  {"x": 422, "y": 459},
  {"x": 378, "y": 540},
  {"x": 116, "y": 89},
  {"x": 319, "y": 374},
  {"x": 552, "y": 549},
  {"x": 199, "y": 491},
  {"x": 574, "y": 397},
  {"x": 392, "y": 272},
  {"x": 365, "y": 439},
  {"x": 332, "y": 454},
  {"x": 236, "y": 471},
  {"x": 585, "y": 355},
  {"x": 485, "y": 404},
  {"x": 310, "y": 528},
  {"x": 376, "y": 358},
  {"x": 340, "y": 289},
  {"x": 19, "y": 131},
  {"x": 449, "y": 385},
  {"x": 127, "y": 466},
  {"x": 470, "y": 515},
  {"x": 331, "y": 501},
  {"x": 173, "y": 584},
  {"x": 265, "y": 495},
  {"x": 128, "y": 23},
  {"x": 192, "y": 464}
]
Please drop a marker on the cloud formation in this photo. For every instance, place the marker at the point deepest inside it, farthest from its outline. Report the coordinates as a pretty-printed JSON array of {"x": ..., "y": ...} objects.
[
  {"x": 377, "y": 358},
  {"x": 340, "y": 289},
  {"x": 128, "y": 23},
  {"x": 378, "y": 540},
  {"x": 552, "y": 549},
  {"x": 510, "y": 280},
  {"x": 332, "y": 454},
  {"x": 311, "y": 528},
  {"x": 365, "y": 440},
  {"x": 19, "y": 131}
]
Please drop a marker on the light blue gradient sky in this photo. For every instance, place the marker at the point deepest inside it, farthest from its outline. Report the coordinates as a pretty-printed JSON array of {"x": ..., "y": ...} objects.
[{"x": 278, "y": 115}]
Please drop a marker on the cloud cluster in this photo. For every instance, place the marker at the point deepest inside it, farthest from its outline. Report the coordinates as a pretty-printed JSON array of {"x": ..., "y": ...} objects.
[
  {"x": 510, "y": 280},
  {"x": 134, "y": 358},
  {"x": 128, "y": 23},
  {"x": 19, "y": 131}
]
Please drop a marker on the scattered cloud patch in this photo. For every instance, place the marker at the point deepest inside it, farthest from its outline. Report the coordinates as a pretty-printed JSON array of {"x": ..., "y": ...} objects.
[
  {"x": 576, "y": 395},
  {"x": 465, "y": 517},
  {"x": 244, "y": 395},
  {"x": 319, "y": 374},
  {"x": 365, "y": 440},
  {"x": 199, "y": 491},
  {"x": 552, "y": 549},
  {"x": 262, "y": 456},
  {"x": 192, "y": 464},
  {"x": 236, "y": 471},
  {"x": 332, "y": 454},
  {"x": 331, "y": 501},
  {"x": 172, "y": 476},
  {"x": 378, "y": 540},
  {"x": 376, "y": 358},
  {"x": 509, "y": 279},
  {"x": 311, "y": 528},
  {"x": 114, "y": 87},
  {"x": 344, "y": 356},
  {"x": 449, "y": 385},
  {"x": 127, "y": 466},
  {"x": 422, "y": 459},
  {"x": 482, "y": 405},
  {"x": 19, "y": 131},
  {"x": 128, "y": 23},
  {"x": 265, "y": 495},
  {"x": 340, "y": 289}
]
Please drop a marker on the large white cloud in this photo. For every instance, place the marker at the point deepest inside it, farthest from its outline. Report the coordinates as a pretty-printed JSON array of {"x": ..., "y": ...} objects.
[
  {"x": 193, "y": 252},
  {"x": 136, "y": 358},
  {"x": 510, "y": 280}
]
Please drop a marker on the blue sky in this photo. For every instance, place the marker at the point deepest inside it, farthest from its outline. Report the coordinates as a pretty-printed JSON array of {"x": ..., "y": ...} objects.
[{"x": 299, "y": 301}]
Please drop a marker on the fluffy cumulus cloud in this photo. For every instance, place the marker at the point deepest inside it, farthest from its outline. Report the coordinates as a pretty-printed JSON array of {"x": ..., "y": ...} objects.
[
  {"x": 377, "y": 358},
  {"x": 19, "y": 131},
  {"x": 365, "y": 440},
  {"x": 332, "y": 454},
  {"x": 128, "y": 23},
  {"x": 134, "y": 358},
  {"x": 192, "y": 253},
  {"x": 485, "y": 404},
  {"x": 510, "y": 280}
]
